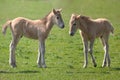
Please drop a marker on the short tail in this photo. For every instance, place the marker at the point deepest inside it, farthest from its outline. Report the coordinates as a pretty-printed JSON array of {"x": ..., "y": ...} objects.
[
  {"x": 112, "y": 30},
  {"x": 110, "y": 26},
  {"x": 4, "y": 27}
]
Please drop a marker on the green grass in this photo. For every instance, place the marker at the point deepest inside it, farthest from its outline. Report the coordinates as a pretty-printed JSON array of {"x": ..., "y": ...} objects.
[{"x": 64, "y": 54}]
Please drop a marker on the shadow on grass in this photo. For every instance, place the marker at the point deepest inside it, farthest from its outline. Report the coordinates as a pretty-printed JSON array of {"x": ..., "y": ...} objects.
[
  {"x": 116, "y": 69},
  {"x": 98, "y": 70},
  {"x": 68, "y": 71},
  {"x": 27, "y": 71}
]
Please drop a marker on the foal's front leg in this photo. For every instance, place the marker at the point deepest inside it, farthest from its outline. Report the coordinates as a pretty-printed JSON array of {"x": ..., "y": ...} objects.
[
  {"x": 41, "y": 53},
  {"x": 91, "y": 52},
  {"x": 85, "y": 54}
]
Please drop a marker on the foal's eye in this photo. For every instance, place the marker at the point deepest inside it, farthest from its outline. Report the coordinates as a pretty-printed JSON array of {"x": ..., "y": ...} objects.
[
  {"x": 74, "y": 24},
  {"x": 57, "y": 17}
]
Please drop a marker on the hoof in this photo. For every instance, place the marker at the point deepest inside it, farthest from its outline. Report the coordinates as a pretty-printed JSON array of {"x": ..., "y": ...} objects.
[
  {"x": 84, "y": 66},
  {"x": 104, "y": 65},
  {"x": 95, "y": 65},
  {"x": 42, "y": 66},
  {"x": 13, "y": 66},
  {"x": 108, "y": 65}
]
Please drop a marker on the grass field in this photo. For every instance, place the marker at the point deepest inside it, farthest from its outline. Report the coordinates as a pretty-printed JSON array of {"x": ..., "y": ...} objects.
[{"x": 64, "y": 54}]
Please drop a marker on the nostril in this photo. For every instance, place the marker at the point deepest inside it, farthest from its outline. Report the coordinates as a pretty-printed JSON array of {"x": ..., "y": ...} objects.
[{"x": 63, "y": 26}]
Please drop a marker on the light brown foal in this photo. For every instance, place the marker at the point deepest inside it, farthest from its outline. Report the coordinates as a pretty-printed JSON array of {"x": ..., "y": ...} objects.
[
  {"x": 90, "y": 29},
  {"x": 34, "y": 29}
]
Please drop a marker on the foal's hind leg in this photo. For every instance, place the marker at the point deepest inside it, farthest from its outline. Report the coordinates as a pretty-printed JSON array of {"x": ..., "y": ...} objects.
[
  {"x": 106, "y": 49},
  {"x": 13, "y": 45}
]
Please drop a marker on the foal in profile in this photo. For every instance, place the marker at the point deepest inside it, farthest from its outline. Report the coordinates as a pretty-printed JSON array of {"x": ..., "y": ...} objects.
[
  {"x": 34, "y": 29},
  {"x": 91, "y": 29}
]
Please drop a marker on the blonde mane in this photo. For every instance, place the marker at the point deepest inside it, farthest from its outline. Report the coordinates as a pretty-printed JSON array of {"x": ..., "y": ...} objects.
[
  {"x": 45, "y": 18},
  {"x": 86, "y": 19}
]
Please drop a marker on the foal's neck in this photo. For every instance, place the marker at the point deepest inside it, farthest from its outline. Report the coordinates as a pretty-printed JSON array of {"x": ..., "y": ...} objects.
[
  {"x": 48, "y": 23},
  {"x": 83, "y": 27}
]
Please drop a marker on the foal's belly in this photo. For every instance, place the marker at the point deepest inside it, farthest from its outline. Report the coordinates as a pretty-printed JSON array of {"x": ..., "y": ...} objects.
[
  {"x": 30, "y": 34},
  {"x": 99, "y": 34}
]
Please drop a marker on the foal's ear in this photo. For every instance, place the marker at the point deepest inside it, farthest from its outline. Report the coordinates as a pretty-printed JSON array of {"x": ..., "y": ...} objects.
[
  {"x": 60, "y": 9},
  {"x": 54, "y": 11},
  {"x": 78, "y": 16},
  {"x": 73, "y": 14}
]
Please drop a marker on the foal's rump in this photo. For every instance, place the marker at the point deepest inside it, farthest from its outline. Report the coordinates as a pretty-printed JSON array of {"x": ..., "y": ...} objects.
[
  {"x": 22, "y": 27},
  {"x": 104, "y": 25},
  {"x": 110, "y": 27}
]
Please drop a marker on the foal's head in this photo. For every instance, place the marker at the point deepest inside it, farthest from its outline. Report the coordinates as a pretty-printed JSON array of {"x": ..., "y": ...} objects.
[
  {"x": 57, "y": 18},
  {"x": 74, "y": 23}
]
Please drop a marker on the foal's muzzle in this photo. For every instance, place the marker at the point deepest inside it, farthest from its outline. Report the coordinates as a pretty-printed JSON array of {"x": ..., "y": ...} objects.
[
  {"x": 62, "y": 26},
  {"x": 71, "y": 33}
]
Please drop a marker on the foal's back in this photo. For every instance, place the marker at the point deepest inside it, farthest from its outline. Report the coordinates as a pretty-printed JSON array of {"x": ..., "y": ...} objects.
[
  {"x": 25, "y": 27},
  {"x": 101, "y": 26}
]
